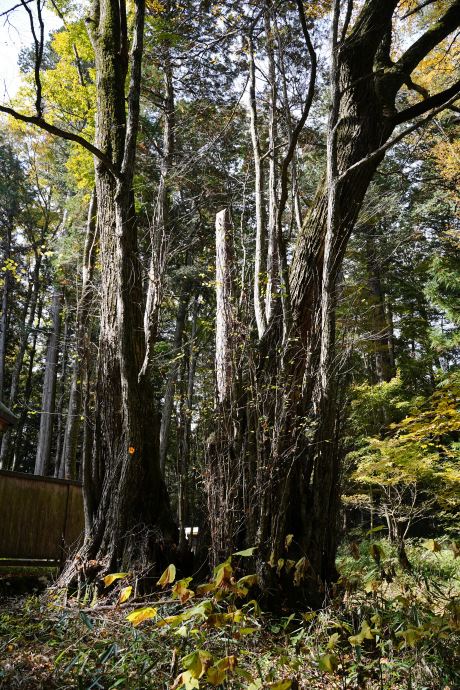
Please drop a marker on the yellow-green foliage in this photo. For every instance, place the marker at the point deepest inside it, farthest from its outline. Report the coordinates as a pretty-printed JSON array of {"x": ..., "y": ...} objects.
[{"x": 419, "y": 449}]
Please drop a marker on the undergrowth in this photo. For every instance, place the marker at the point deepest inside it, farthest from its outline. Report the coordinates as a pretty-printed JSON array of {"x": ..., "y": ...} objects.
[{"x": 383, "y": 629}]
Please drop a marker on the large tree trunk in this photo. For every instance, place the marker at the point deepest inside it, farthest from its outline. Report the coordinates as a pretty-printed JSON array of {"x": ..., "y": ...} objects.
[
  {"x": 288, "y": 460},
  {"x": 127, "y": 513}
]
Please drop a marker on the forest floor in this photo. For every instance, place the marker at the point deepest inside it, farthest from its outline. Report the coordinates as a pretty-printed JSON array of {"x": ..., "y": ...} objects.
[{"x": 384, "y": 629}]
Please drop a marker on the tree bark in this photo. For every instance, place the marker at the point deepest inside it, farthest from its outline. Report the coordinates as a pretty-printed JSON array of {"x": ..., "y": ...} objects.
[
  {"x": 288, "y": 460},
  {"x": 127, "y": 513}
]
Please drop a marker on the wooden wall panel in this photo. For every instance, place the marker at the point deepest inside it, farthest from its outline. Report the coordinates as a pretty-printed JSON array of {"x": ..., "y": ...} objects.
[{"x": 39, "y": 516}]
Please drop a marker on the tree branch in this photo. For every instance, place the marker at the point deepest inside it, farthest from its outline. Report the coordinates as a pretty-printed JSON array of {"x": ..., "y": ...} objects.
[
  {"x": 418, "y": 8},
  {"x": 20, "y": 4},
  {"x": 132, "y": 124},
  {"x": 58, "y": 132},
  {"x": 429, "y": 40},
  {"x": 438, "y": 99},
  {"x": 381, "y": 150},
  {"x": 38, "y": 45}
]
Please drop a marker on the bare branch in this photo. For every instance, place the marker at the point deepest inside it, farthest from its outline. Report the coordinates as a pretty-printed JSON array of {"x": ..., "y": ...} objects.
[
  {"x": 429, "y": 40},
  {"x": 21, "y": 4},
  {"x": 381, "y": 150},
  {"x": 418, "y": 8},
  {"x": 38, "y": 45},
  {"x": 437, "y": 100}
]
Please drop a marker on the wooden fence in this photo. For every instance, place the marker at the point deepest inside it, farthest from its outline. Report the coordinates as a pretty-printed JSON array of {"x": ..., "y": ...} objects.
[{"x": 41, "y": 519}]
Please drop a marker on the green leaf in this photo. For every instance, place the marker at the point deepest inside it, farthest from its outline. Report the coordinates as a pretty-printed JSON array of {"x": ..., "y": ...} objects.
[
  {"x": 328, "y": 663},
  {"x": 215, "y": 675},
  {"x": 411, "y": 635},
  {"x": 86, "y": 620},
  {"x": 247, "y": 631},
  {"x": 197, "y": 662},
  {"x": 246, "y": 552},
  {"x": 243, "y": 674},
  {"x": 375, "y": 529}
]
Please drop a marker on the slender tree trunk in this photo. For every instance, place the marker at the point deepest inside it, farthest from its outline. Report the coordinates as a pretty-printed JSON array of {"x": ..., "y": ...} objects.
[
  {"x": 45, "y": 437},
  {"x": 27, "y": 393},
  {"x": 172, "y": 380},
  {"x": 272, "y": 264},
  {"x": 260, "y": 257},
  {"x": 62, "y": 392},
  {"x": 383, "y": 366},
  {"x": 30, "y": 309},
  {"x": 391, "y": 335},
  {"x": 70, "y": 443},
  {"x": 186, "y": 415},
  {"x": 159, "y": 230},
  {"x": 5, "y": 301}
]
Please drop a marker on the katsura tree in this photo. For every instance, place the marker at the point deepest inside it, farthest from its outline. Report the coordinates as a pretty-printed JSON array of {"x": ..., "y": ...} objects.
[
  {"x": 274, "y": 462},
  {"x": 127, "y": 511}
]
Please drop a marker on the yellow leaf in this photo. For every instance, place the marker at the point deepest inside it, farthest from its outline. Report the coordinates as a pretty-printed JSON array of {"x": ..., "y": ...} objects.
[
  {"x": 215, "y": 675},
  {"x": 431, "y": 545},
  {"x": 333, "y": 641},
  {"x": 186, "y": 679},
  {"x": 197, "y": 662},
  {"x": 108, "y": 579},
  {"x": 281, "y": 684},
  {"x": 168, "y": 576},
  {"x": 372, "y": 586},
  {"x": 227, "y": 663},
  {"x": 140, "y": 615},
  {"x": 202, "y": 589},
  {"x": 125, "y": 593},
  {"x": 328, "y": 663},
  {"x": 246, "y": 552},
  {"x": 411, "y": 635},
  {"x": 455, "y": 549}
]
